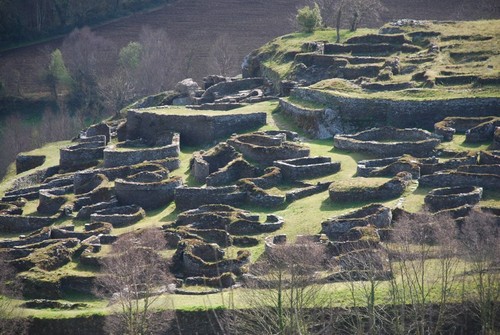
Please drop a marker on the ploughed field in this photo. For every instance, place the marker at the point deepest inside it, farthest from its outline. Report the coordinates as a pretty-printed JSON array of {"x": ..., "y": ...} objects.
[{"x": 195, "y": 25}]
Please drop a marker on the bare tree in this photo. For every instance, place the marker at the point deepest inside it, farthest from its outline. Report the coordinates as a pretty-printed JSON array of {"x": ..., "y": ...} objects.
[
  {"x": 158, "y": 69},
  {"x": 12, "y": 320},
  {"x": 88, "y": 58},
  {"x": 480, "y": 245},
  {"x": 135, "y": 276},
  {"x": 363, "y": 270},
  {"x": 280, "y": 292},
  {"x": 223, "y": 56},
  {"x": 425, "y": 266},
  {"x": 349, "y": 13}
]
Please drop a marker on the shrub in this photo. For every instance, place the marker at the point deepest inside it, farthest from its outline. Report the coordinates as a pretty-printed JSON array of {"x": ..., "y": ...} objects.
[{"x": 309, "y": 18}]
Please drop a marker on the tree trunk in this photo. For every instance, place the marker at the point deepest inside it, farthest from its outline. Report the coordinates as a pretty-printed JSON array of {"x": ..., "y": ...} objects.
[
  {"x": 354, "y": 23},
  {"x": 339, "y": 16}
]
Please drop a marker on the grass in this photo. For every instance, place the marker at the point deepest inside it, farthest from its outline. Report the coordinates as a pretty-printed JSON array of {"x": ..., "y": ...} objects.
[
  {"x": 301, "y": 217},
  {"x": 50, "y": 151},
  {"x": 179, "y": 110},
  {"x": 329, "y": 295},
  {"x": 277, "y": 57}
]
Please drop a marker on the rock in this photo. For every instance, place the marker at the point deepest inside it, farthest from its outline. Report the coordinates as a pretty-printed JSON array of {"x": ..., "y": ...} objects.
[
  {"x": 28, "y": 162},
  {"x": 187, "y": 87}
]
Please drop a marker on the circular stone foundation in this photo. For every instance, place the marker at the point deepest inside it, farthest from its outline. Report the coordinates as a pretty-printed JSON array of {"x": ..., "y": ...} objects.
[
  {"x": 389, "y": 142},
  {"x": 119, "y": 216},
  {"x": 452, "y": 197}
]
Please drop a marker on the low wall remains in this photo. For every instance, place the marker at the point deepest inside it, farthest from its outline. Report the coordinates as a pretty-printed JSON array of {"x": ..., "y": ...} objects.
[
  {"x": 452, "y": 197},
  {"x": 193, "y": 129},
  {"x": 376, "y": 215},
  {"x": 461, "y": 179},
  {"x": 119, "y": 216},
  {"x": 307, "y": 168},
  {"x": 123, "y": 154},
  {"x": 355, "y": 193},
  {"x": 23, "y": 224},
  {"x": 345, "y": 114},
  {"x": 85, "y": 154},
  {"x": 193, "y": 197},
  {"x": 389, "y": 142},
  {"x": 148, "y": 195},
  {"x": 266, "y": 149}
]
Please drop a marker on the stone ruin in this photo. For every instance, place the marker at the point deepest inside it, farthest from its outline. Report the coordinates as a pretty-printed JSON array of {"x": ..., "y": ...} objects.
[
  {"x": 232, "y": 221},
  {"x": 316, "y": 61},
  {"x": 217, "y": 93},
  {"x": 195, "y": 258},
  {"x": 265, "y": 149},
  {"x": 199, "y": 234},
  {"x": 194, "y": 129},
  {"x": 28, "y": 162},
  {"x": 461, "y": 159},
  {"x": 489, "y": 157},
  {"x": 86, "y": 153},
  {"x": 207, "y": 162},
  {"x": 225, "y": 164},
  {"x": 389, "y": 167},
  {"x": 150, "y": 190},
  {"x": 340, "y": 228},
  {"x": 307, "y": 168},
  {"x": 119, "y": 216},
  {"x": 361, "y": 191},
  {"x": 464, "y": 176},
  {"x": 389, "y": 142},
  {"x": 476, "y": 129},
  {"x": 452, "y": 197},
  {"x": 357, "y": 258},
  {"x": 132, "y": 152}
]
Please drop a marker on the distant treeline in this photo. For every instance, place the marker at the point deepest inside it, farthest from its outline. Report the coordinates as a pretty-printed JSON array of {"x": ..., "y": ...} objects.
[{"x": 26, "y": 20}]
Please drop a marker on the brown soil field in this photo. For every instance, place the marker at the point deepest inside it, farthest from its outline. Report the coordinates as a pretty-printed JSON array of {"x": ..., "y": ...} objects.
[{"x": 196, "y": 24}]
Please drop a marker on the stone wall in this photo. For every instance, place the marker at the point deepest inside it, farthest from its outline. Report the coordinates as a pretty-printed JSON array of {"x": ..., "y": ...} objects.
[
  {"x": 456, "y": 178},
  {"x": 28, "y": 162},
  {"x": 267, "y": 149},
  {"x": 122, "y": 154},
  {"x": 193, "y": 129},
  {"x": 308, "y": 167},
  {"x": 229, "y": 88},
  {"x": 317, "y": 123},
  {"x": 33, "y": 178},
  {"x": 389, "y": 142},
  {"x": 452, "y": 197},
  {"x": 148, "y": 195},
  {"x": 388, "y": 167},
  {"x": 119, "y": 216},
  {"x": 376, "y": 215},
  {"x": 450, "y": 125},
  {"x": 389, "y": 190},
  {"x": 22, "y": 224},
  {"x": 193, "y": 197},
  {"x": 489, "y": 157},
  {"x": 344, "y": 114},
  {"x": 304, "y": 192},
  {"x": 272, "y": 177},
  {"x": 235, "y": 170},
  {"x": 82, "y": 155},
  {"x": 51, "y": 200}
]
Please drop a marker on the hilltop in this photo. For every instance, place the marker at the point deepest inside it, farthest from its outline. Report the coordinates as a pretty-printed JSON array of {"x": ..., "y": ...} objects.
[{"x": 320, "y": 144}]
